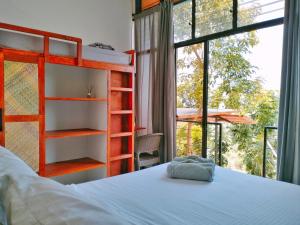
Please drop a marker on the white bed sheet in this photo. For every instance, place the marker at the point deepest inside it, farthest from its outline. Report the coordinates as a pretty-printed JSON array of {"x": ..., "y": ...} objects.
[{"x": 149, "y": 197}]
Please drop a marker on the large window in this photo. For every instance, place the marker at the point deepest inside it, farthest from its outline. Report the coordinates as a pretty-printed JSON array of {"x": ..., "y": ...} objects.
[{"x": 228, "y": 81}]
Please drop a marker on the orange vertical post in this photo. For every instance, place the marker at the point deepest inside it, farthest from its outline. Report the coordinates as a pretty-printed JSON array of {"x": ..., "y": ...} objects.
[
  {"x": 2, "y": 96},
  {"x": 131, "y": 123},
  {"x": 46, "y": 47},
  {"x": 42, "y": 144},
  {"x": 79, "y": 53},
  {"x": 108, "y": 123}
]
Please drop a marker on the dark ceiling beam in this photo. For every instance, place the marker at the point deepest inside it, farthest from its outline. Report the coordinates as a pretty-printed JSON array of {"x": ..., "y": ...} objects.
[{"x": 138, "y": 6}]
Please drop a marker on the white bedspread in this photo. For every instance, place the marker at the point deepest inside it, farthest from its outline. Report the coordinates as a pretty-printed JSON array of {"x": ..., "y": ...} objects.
[{"x": 149, "y": 197}]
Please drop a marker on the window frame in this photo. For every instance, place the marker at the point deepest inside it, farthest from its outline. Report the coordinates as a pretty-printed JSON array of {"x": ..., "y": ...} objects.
[
  {"x": 234, "y": 30},
  {"x": 206, "y": 40}
]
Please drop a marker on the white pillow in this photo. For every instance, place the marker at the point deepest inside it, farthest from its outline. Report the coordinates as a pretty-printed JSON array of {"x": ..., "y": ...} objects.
[
  {"x": 30, "y": 199},
  {"x": 36, "y": 200}
]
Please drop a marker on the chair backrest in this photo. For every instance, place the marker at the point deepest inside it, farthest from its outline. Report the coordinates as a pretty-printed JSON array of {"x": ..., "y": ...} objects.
[{"x": 148, "y": 143}]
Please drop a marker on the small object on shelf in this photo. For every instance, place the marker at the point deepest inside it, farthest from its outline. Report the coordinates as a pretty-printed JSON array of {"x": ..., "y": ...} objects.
[
  {"x": 102, "y": 46},
  {"x": 90, "y": 92}
]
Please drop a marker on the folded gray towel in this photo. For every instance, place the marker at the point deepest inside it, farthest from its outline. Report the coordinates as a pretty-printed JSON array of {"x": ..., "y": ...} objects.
[
  {"x": 191, "y": 168},
  {"x": 193, "y": 157}
]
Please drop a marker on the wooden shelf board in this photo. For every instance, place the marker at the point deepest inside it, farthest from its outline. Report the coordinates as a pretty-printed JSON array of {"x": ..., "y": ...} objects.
[
  {"x": 73, "y": 133},
  {"x": 121, "y": 89},
  {"x": 71, "y": 61},
  {"x": 71, "y": 166},
  {"x": 119, "y": 157},
  {"x": 76, "y": 99},
  {"x": 122, "y": 134},
  {"x": 121, "y": 112}
]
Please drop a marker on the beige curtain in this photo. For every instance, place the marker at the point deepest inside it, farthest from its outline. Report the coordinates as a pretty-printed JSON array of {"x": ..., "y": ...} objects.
[
  {"x": 164, "y": 99},
  {"x": 288, "y": 168},
  {"x": 146, "y": 33},
  {"x": 155, "y": 82}
]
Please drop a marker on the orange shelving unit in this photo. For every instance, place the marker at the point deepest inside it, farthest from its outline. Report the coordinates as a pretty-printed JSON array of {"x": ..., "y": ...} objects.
[
  {"x": 121, "y": 112},
  {"x": 119, "y": 102}
]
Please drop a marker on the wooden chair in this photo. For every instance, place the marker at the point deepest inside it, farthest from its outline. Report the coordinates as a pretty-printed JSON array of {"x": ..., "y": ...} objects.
[{"x": 147, "y": 149}]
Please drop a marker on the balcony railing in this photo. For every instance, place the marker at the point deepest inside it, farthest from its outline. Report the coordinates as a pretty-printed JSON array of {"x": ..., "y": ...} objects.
[
  {"x": 187, "y": 129},
  {"x": 270, "y": 150},
  {"x": 195, "y": 147}
]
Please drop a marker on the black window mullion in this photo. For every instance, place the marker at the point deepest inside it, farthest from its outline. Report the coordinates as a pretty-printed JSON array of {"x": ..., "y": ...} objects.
[
  {"x": 205, "y": 100},
  {"x": 193, "y": 18},
  {"x": 175, "y": 56},
  {"x": 234, "y": 14},
  {"x": 138, "y": 6},
  {"x": 238, "y": 30}
]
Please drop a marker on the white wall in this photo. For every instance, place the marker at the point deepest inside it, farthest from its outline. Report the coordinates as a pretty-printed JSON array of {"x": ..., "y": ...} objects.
[
  {"x": 73, "y": 82},
  {"x": 106, "y": 21}
]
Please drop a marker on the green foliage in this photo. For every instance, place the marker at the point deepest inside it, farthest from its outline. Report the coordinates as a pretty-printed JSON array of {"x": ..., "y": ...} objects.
[
  {"x": 182, "y": 142},
  {"x": 213, "y": 16},
  {"x": 189, "y": 89},
  {"x": 263, "y": 108},
  {"x": 230, "y": 71},
  {"x": 182, "y": 18}
]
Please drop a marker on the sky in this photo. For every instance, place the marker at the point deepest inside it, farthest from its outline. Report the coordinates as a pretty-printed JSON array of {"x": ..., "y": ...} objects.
[{"x": 267, "y": 56}]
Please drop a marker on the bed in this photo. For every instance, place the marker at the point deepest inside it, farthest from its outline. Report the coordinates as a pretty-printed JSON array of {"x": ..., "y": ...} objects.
[
  {"x": 149, "y": 197},
  {"x": 9, "y": 39}
]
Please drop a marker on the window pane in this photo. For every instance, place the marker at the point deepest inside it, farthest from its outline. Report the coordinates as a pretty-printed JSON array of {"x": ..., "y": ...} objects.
[
  {"x": 254, "y": 11},
  {"x": 243, "y": 98},
  {"x": 182, "y": 21},
  {"x": 190, "y": 61},
  {"x": 213, "y": 16}
]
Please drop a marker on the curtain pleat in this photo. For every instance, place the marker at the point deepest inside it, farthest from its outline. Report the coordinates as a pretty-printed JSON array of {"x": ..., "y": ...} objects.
[
  {"x": 146, "y": 47},
  {"x": 288, "y": 168},
  {"x": 164, "y": 110}
]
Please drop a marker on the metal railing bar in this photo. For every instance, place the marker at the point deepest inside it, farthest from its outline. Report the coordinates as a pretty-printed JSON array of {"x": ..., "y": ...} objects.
[{"x": 265, "y": 147}]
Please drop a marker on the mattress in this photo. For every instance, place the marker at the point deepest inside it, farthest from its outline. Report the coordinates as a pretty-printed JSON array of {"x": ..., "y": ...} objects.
[
  {"x": 150, "y": 197},
  {"x": 61, "y": 48}
]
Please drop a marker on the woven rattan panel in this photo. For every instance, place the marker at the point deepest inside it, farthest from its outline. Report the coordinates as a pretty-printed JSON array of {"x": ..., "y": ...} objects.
[
  {"x": 22, "y": 138},
  {"x": 21, "y": 88}
]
